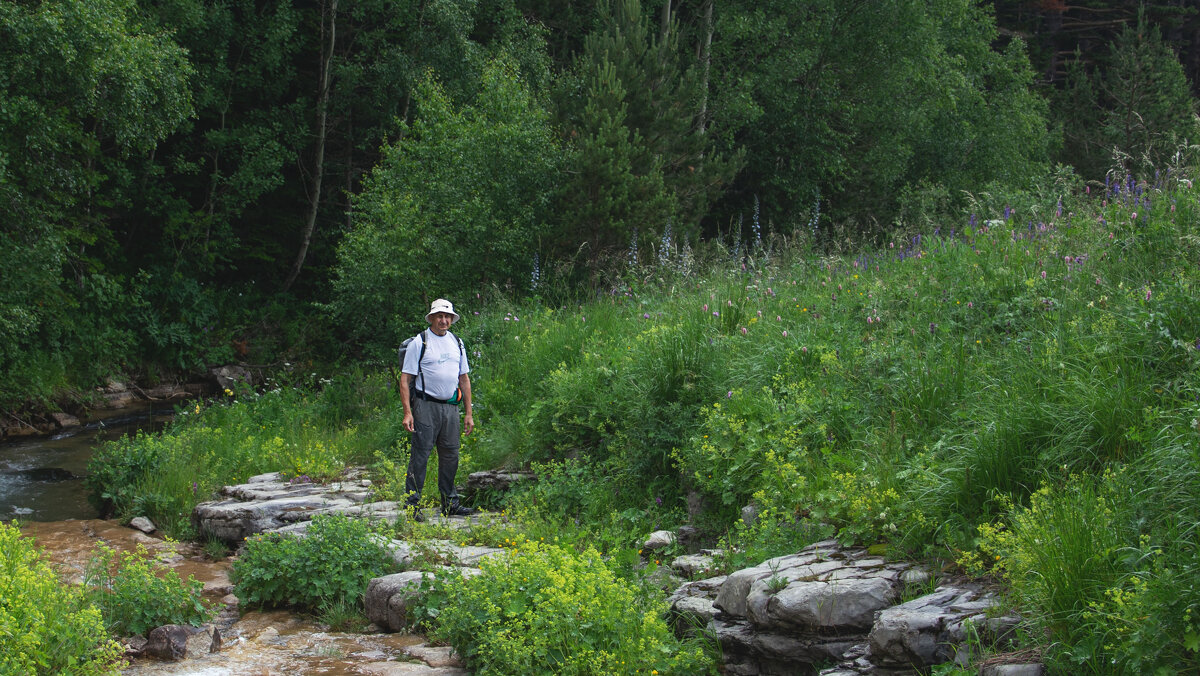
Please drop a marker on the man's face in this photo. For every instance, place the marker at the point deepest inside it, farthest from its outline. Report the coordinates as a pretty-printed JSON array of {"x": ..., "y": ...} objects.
[{"x": 440, "y": 322}]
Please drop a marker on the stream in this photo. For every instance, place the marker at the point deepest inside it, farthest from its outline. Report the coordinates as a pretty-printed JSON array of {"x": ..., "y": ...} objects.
[
  {"x": 41, "y": 478},
  {"x": 42, "y": 487}
]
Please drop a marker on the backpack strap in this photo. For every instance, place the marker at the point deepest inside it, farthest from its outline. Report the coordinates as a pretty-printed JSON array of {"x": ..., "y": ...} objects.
[{"x": 421, "y": 357}]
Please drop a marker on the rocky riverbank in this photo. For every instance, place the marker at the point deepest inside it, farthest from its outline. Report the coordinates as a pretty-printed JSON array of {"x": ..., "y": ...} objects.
[
  {"x": 826, "y": 609},
  {"x": 797, "y": 614},
  {"x": 85, "y": 407}
]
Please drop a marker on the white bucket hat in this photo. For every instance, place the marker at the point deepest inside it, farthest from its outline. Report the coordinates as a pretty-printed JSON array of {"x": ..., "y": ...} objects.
[{"x": 441, "y": 305}]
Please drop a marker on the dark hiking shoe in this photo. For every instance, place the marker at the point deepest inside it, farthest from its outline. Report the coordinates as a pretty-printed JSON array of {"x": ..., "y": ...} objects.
[
  {"x": 414, "y": 513},
  {"x": 458, "y": 510}
]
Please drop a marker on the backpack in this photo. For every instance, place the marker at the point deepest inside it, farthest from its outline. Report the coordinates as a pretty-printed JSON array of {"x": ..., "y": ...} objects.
[{"x": 403, "y": 349}]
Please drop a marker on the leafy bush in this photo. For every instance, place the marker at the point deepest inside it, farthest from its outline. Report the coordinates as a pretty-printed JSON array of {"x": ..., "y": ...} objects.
[
  {"x": 331, "y": 564},
  {"x": 546, "y": 609},
  {"x": 48, "y": 627},
  {"x": 135, "y": 594}
]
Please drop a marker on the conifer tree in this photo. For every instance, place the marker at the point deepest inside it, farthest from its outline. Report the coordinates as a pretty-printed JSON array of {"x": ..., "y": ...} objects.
[{"x": 640, "y": 158}]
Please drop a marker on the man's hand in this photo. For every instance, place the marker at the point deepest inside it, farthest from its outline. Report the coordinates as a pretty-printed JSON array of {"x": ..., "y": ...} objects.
[
  {"x": 468, "y": 423},
  {"x": 408, "y": 422}
]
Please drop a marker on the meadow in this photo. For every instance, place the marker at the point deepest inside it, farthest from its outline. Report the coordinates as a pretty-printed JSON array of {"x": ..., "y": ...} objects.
[{"x": 1013, "y": 395}]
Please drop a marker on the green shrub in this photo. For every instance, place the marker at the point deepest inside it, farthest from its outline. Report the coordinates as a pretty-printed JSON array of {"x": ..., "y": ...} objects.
[
  {"x": 47, "y": 627},
  {"x": 545, "y": 609},
  {"x": 330, "y": 564},
  {"x": 135, "y": 594}
]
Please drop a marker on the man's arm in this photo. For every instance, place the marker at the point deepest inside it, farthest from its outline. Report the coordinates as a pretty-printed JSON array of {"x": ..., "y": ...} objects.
[
  {"x": 464, "y": 384},
  {"x": 405, "y": 386}
]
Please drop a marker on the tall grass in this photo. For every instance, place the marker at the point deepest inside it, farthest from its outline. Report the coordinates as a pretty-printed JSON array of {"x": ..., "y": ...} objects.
[{"x": 307, "y": 434}]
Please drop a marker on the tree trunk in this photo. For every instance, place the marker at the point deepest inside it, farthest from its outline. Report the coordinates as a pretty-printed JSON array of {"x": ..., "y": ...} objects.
[
  {"x": 319, "y": 161},
  {"x": 705, "y": 63}
]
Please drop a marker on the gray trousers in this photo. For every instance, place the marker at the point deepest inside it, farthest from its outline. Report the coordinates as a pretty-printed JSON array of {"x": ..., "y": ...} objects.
[{"x": 433, "y": 423}]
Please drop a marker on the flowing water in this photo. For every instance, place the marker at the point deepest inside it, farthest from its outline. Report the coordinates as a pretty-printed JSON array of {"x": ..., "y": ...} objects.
[{"x": 41, "y": 478}]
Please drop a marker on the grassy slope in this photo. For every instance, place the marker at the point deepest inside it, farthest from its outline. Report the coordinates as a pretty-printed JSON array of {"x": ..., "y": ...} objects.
[{"x": 1014, "y": 396}]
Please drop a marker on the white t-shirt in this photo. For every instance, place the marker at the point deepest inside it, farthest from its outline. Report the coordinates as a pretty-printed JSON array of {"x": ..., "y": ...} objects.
[{"x": 444, "y": 362}]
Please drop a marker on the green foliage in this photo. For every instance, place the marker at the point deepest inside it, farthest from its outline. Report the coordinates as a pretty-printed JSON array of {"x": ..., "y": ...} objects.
[
  {"x": 630, "y": 106},
  {"x": 454, "y": 204},
  {"x": 136, "y": 594},
  {"x": 547, "y": 609},
  {"x": 800, "y": 88},
  {"x": 85, "y": 85},
  {"x": 305, "y": 434},
  {"x": 329, "y": 565},
  {"x": 49, "y": 627}
]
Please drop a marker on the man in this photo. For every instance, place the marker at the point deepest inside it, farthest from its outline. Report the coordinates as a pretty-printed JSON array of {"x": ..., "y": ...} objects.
[{"x": 433, "y": 380}]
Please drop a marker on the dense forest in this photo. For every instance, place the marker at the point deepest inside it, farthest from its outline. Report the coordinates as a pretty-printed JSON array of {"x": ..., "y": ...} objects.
[{"x": 189, "y": 183}]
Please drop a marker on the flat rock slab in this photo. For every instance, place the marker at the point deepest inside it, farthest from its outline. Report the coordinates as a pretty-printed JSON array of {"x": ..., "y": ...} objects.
[{"x": 271, "y": 503}]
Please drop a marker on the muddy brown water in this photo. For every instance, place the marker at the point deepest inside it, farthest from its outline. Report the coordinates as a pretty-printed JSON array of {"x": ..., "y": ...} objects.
[{"x": 256, "y": 643}]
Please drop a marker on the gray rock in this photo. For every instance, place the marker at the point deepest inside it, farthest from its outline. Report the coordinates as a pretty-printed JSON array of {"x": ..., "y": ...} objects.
[
  {"x": 694, "y": 565},
  {"x": 659, "y": 539},
  {"x": 839, "y": 604},
  {"x": 229, "y": 377},
  {"x": 499, "y": 481},
  {"x": 691, "y": 615},
  {"x": 64, "y": 420},
  {"x": 750, "y": 514},
  {"x": 387, "y": 598},
  {"x": 143, "y": 524},
  {"x": 1012, "y": 670},
  {"x": 932, "y": 629},
  {"x": 270, "y": 503},
  {"x": 434, "y": 656},
  {"x": 179, "y": 642}
]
